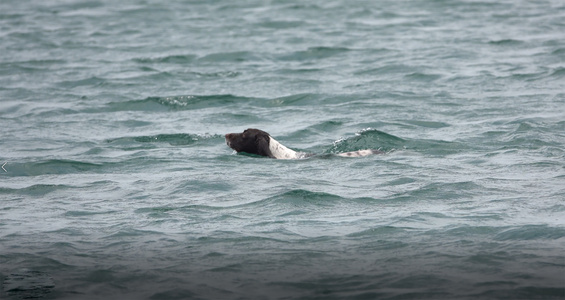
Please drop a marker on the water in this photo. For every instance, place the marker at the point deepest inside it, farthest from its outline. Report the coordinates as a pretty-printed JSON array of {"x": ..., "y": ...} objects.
[{"x": 119, "y": 185}]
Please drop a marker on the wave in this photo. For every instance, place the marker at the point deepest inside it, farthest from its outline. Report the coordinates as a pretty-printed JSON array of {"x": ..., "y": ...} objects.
[
  {"x": 436, "y": 190},
  {"x": 219, "y": 74},
  {"x": 296, "y": 99},
  {"x": 506, "y": 42},
  {"x": 368, "y": 139},
  {"x": 169, "y": 59},
  {"x": 528, "y": 134},
  {"x": 36, "y": 189},
  {"x": 177, "y": 139},
  {"x": 290, "y": 203},
  {"x": 187, "y": 102},
  {"x": 531, "y": 232},
  {"x": 314, "y": 53},
  {"x": 427, "y": 124},
  {"x": 437, "y": 147},
  {"x": 238, "y": 56},
  {"x": 424, "y": 77},
  {"x": 304, "y": 198},
  {"x": 387, "y": 70},
  {"x": 31, "y": 65},
  {"x": 379, "y": 232},
  {"x": 280, "y": 24},
  {"x": 192, "y": 102},
  {"x": 558, "y": 72},
  {"x": 52, "y": 166},
  {"x": 91, "y": 81},
  {"x": 82, "y": 213}
]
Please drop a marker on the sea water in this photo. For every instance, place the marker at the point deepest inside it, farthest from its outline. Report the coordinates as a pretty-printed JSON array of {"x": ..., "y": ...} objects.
[{"x": 116, "y": 182}]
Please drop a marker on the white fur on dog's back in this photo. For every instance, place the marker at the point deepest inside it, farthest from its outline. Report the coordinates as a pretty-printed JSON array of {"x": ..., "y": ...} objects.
[{"x": 280, "y": 151}]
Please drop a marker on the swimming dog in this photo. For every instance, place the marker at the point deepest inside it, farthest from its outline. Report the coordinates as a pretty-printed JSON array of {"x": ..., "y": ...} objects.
[{"x": 255, "y": 141}]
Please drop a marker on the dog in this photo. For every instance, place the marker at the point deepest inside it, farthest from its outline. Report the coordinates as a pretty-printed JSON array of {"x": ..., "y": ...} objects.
[{"x": 259, "y": 142}]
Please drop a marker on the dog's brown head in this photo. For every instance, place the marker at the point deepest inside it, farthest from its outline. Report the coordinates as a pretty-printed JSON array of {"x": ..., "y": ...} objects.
[{"x": 252, "y": 141}]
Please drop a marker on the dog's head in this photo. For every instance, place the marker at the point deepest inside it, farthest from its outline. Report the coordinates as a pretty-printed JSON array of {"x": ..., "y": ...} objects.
[{"x": 253, "y": 141}]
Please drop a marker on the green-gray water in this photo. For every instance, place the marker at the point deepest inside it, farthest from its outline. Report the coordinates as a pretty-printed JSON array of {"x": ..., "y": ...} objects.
[{"x": 119, "y": 185}]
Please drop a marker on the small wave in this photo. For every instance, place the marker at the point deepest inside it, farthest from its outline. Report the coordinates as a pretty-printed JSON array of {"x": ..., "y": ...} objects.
[
  {"x": 311, "y": 99},
  {"x": 91, "y": 81},
  {"x": 170, "y": 59},
  {"x": 436, "y": 147},
  {"x": 36, "y": 189},
  {"x": 314, "y": 53},
  {"x": 321, "y": 127},
  {"x": 298, "y": 70},
  {"x": 531, "y": 232},
  {"x": 219, "y": 74},
  {"x": 296, "y": 99},
  {"x": 418, "y": 76},
  {"x": 160, "y": 209},
  {"x": 558, "y": 72},
  {"x": 528, "y": 76},
  {"x": 192, "y": 102},
  {"x": 368, "y": 139},
  {"x": 428, "y": 124},
  {"x": 187, "y": 102},
  {"x": 456, "y": 190},
  {"x": 81, "y": 213},
  {"x": 529, "y": 134},
  {"x": 470, "y": 231},
  {"x": 52, "y": 166},
  {"x": 300, "y": 198},
  {"x": 305, "y": 197},
  {"x": 559, "y": 51},
  {"x": 281, "y": 24},
  {"x": 296, "y": 198},
  {"x": 129, "y": 232},
  {"x": 506, "y": 42},
  {"x": 238, "y": 56},
  {"x": 177, "y": 139},
  {"x": 387, "y": 70},
  {"x": 32, "y": 65},
  {"x": 379, "y": 232}
]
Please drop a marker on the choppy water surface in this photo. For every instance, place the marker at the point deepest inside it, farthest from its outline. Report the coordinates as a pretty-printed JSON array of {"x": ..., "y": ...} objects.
[{"x": 119, "y": 185}]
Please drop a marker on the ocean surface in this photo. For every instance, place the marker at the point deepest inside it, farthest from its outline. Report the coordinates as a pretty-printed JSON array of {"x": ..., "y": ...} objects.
[{"x": 116, "y": 182}]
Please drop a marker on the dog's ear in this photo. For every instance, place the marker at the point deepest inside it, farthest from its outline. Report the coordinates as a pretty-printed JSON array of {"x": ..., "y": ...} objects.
[{"x": 262, "y": 143}]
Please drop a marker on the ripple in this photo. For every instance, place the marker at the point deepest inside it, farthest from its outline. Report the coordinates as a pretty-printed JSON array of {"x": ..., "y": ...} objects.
[
  {"x": 178, "y": 139},
  {"x": 237, "y": 57},
  {"x": 174, "y": 103},
  {"x": 55, "y": 166},
  {"x": 506, "y": 42},
  {"x": 170, "y": 59},
  {"x": 531, "y": 232},
  {"x": 315, "y": 53},
  {"x": 36, "y": 189}
]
